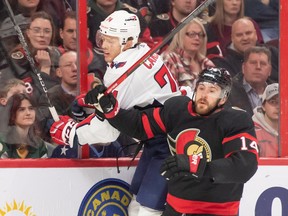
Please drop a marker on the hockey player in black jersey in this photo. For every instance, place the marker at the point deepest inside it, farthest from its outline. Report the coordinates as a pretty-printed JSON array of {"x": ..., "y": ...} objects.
[{"x": 214, "y": 150}]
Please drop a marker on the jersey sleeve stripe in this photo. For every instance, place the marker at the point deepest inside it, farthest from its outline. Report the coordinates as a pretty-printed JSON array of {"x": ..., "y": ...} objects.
[
  {"x": 246, "y": 135},
  {"x": 156, "y": 114},
  {"x": 146, "y": 126}
]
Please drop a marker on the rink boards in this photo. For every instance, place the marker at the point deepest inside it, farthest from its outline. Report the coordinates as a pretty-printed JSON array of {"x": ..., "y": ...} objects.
[{"x": 52, "y": 187}]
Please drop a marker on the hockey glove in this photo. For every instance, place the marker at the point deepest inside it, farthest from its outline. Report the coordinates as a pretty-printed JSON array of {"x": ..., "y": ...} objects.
[
  {"x": 63, "y": 131},
  {"x": 77, "y": 108},
  {"x": 108, "y": 103},
  {"x": 183, "y": 165}
]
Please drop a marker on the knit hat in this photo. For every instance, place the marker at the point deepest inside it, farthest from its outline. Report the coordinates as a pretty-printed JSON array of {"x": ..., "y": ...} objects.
[{"x": 270, "y": 91}]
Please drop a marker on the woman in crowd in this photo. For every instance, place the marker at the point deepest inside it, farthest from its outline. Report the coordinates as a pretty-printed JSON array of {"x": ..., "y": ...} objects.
[
  {"x": 21, "y": 139},
  {"x": 39, "y": 35},
  {"x": 186, "y": 55}
]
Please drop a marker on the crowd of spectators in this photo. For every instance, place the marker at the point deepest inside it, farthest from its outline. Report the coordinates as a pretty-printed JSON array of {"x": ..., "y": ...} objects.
[{"x": 226, "y": 34}]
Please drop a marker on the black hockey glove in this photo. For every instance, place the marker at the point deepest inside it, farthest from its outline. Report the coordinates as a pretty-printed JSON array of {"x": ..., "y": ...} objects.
[
  {"x": 108, "y": 103},
  {"x": 183, "y": 165},
  {"x": 78, "y": 111}
]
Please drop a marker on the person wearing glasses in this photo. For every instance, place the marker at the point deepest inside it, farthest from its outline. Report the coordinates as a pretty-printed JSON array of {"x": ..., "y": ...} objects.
[
  {"x": 186, "y": 54},
  {"x": 266, "y": 120},
  {"x": 40, "y": 40}
]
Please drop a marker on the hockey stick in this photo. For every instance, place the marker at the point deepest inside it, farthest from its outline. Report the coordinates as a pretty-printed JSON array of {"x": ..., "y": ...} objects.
[
  {"x": 146, "y": 56},
  {"x": 30, "y": 59}
]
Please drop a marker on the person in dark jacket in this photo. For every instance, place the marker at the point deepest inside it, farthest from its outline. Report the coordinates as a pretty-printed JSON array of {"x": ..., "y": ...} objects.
[
  {"x": 249, "y": 85},
  {"x": 266, "y": 14}
]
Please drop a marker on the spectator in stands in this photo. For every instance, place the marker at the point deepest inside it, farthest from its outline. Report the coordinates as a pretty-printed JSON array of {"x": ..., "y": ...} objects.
[
  {"x": 40, "y": 43},
  {"x": 244, "y": 36},
  {"x": 249, "y": 85},
  {"x": 68, "y": 33},
  {"x": 9, "y": 88},
  {"x": 8, "y": 41},
  {"x": 266, "y": 14},
  {"x": 266, "y": 119},
  {"x": 55, "y": 8},
  {"x": 161, "y": 24},
  {"x": 220, "y": 24},
  {"x": 100, "y": 9},
  {"x": 22, "y": 139},
  {"x": 186, "y": 55},
  {"x": 26, "y": 7},
  {"x": 62, "y": 95}
]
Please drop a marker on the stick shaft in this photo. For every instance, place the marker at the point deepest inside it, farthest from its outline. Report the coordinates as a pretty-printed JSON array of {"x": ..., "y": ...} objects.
[{"x": 146, "y": 56}]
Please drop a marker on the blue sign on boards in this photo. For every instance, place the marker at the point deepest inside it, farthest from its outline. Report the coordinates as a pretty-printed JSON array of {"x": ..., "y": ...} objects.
[{"x": 107, "y": 197}]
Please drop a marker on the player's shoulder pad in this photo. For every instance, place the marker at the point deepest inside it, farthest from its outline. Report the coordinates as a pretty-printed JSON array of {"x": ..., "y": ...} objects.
[
  {"x": 163, "y": 16},
  {"x": 17, "y": 55},
  {"x": 129, "y": 7},
  {"x": 235, "y": 114}
]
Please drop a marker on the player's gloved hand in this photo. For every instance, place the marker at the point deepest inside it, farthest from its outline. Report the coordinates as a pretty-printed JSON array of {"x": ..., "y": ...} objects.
[
  {"x": 63, "y": 131},
  {"x": 77, "y": 108},
  {"x": 183, "y": 165},
  {"x": 106, "y": 104}
]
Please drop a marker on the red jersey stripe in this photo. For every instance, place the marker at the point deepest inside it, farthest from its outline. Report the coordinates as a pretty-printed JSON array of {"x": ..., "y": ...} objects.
[
  {"x": 147, "y": 126},
  {"x": 156, "y": 115},
  {"x": 202, "y": 207},
  {"x": 248, "y": 136}
]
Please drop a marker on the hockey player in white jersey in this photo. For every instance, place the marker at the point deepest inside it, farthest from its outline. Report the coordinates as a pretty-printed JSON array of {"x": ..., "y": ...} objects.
[{"x": 150, "y": 85}]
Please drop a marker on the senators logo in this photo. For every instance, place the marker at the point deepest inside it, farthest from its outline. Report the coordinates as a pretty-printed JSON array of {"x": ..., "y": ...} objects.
[
  {"x": 188, "y": 142},
  {"x": 109, "y": 197}
]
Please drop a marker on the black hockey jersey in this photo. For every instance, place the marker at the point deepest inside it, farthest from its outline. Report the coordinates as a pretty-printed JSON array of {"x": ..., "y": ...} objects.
[{"x": 227, "y": 139}]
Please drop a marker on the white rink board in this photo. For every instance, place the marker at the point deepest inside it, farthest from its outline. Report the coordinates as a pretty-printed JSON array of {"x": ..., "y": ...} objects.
[
  {"x": 269, "y": 181},
  {"x": 60, "y": 191},
  {"x": 53, "y": 191}
]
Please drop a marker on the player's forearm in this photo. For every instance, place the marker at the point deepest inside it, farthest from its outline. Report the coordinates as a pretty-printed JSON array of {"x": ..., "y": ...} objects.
[
  {"x": 129, "y": 122},
  {"x": 238, "y": 168}
]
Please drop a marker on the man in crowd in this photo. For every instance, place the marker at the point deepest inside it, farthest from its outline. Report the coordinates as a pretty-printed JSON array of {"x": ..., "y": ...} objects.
[
  {"x": 249, "y": 85},
  {"x": 244, "y": 36},
  {"x": 68, "y": 33}
]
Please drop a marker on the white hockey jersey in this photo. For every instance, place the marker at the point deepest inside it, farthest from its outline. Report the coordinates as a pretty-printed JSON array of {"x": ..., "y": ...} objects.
[{"x": 150, "y": 82}]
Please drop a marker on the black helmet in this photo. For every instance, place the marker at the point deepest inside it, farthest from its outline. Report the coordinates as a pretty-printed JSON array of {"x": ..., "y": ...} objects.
[{"x": 219, "y": 76}]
